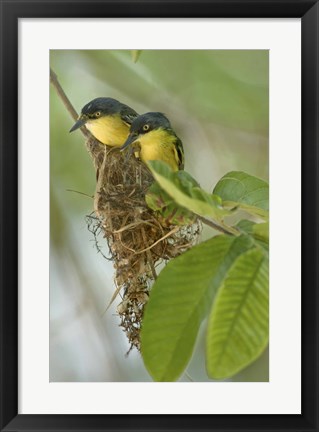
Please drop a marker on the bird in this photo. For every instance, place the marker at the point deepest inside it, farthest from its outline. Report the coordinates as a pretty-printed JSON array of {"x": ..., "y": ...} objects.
[
  {"x": 153, "y": 134},
  {"x": 107, "y": 119}
]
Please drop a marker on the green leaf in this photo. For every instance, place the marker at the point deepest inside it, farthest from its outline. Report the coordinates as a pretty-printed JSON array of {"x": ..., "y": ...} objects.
[
  {"x": 246, "y": 226},
  {"x": 179, "y": 300},
  {"x": 135, "y": 55},
  {"x": 186, "y": 191},
  {"x": 166, "y": 208},
  {"x": 248, "y": 192},
  {"x": 238, "y": 325},
  {"x": 261, "y": 231}
]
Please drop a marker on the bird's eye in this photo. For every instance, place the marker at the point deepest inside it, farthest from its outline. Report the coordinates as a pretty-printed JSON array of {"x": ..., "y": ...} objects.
[
  {"x": 146, "y": 127},
  {"x": 97, "y": 114}
]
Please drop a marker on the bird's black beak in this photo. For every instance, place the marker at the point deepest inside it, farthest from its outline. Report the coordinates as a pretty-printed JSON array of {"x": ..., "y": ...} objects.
[
  {"x": 130, "y": 139},
  {"x": 79, "y": 123}
]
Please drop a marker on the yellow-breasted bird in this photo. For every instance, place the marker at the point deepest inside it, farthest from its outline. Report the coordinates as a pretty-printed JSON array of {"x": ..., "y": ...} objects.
[
  {"x": 107, "y": 119},
  {"x": 156, "y": 139}
]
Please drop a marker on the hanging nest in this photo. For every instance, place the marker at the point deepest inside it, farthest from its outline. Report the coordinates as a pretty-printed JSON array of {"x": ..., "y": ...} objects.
[{"x": 138, "y": 239}]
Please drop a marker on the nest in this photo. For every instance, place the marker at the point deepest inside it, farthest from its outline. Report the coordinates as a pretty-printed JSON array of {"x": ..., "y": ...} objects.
[{"x": 138, "y": 239}]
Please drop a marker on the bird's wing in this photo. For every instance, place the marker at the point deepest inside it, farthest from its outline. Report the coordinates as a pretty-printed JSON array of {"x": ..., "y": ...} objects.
[
  {"x": 180, "y": 153},
  {"x": 128, "y": 114}
]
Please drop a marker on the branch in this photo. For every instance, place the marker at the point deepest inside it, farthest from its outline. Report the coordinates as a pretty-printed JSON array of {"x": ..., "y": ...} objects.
[
  {"x": 94, "y": 147},
  {"x": 225, "y": 230},
  {"x": 54, "y": 81}
]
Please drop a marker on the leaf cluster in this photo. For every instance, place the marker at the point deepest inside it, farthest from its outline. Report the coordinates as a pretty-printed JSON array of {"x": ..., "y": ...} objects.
[{"x": 224, "y": 279}]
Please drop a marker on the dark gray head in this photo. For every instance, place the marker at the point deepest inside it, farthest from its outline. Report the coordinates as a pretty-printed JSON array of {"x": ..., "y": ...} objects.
[
  {"x": 101, "y": 106},
  {"x": 149, "y": 121},
  {"x": 104, "y": 106},
  {"x": 144, "y": 124}
]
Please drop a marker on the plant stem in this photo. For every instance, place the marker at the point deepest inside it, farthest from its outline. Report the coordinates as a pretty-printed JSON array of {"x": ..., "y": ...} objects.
[
  {"x": 225, "y": 230},
  {"x": 55, "y": 82}
]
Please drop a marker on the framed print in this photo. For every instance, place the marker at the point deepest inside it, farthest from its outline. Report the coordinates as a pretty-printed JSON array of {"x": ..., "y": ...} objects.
[{"x": 150, "y": 151}]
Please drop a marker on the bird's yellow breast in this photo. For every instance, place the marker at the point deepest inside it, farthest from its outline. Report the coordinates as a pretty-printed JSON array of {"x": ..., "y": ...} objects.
[
  {"x": 158, "y": 144},
  {"x": 110, "y": 130}
]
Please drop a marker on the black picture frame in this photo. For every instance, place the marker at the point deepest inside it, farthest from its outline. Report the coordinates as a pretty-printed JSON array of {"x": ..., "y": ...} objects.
[{"x": 11, "y": 11}]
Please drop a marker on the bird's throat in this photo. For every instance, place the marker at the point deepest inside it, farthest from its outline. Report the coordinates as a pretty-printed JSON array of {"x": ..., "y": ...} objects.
[
  {"x": 159, "y": 145},
  {"x": 109, "y": 130}
]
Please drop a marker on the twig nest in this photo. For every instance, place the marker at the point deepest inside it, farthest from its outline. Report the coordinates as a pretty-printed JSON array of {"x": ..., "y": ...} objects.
[{"x": 138, "y": 239}]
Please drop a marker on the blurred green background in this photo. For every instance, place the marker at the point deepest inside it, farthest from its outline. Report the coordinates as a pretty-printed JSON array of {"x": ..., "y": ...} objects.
[{"x": 217, "y": 102}]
